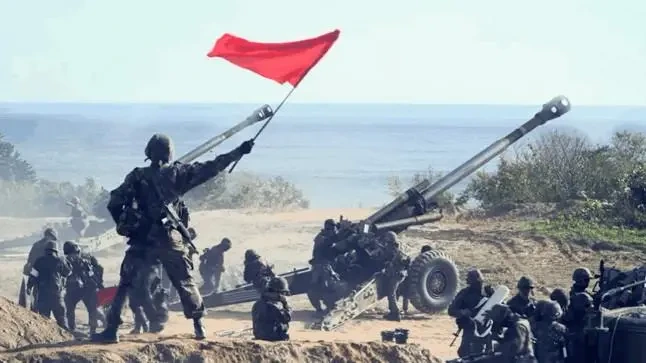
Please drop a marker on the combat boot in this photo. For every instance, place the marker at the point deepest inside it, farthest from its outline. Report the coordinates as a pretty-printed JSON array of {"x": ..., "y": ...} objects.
[
  {"x": 110, "y": 335},
  {"x": 392, "y": 316},
  {"x": 140, "y": 327},
  {"x": 198, "y": 325},
  {"x": 156, "y": 327}
]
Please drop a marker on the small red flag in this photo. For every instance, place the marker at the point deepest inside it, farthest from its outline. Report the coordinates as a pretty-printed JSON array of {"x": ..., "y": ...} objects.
[{"x": 281, "y": 62}]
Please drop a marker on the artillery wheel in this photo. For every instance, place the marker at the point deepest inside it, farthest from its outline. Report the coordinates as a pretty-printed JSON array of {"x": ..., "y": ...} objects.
[{"x": 434, "y": 280}]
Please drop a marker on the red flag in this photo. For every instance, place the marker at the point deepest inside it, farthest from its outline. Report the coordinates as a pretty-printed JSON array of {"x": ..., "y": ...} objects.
[
  {"x": 105, "y": 296},
  {"x": 280, "y": 62}
]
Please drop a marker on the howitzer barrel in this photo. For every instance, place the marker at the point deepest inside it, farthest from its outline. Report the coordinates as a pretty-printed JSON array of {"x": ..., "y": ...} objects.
[
  {"x": 425, "y": 192},
  {"x": 258, "y": 115}
]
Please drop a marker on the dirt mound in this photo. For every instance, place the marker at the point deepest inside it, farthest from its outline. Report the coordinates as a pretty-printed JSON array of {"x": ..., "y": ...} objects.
[
  {"x": 21, "y": 327},
  {"x": 175, "y": 349}
]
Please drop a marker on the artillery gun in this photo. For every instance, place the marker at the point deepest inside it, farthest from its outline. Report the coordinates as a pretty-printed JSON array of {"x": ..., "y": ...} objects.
[{"x": 433, "y": 276}]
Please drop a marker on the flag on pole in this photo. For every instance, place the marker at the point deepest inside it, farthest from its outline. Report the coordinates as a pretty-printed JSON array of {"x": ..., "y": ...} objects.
[{"x": 281, "y": 62}]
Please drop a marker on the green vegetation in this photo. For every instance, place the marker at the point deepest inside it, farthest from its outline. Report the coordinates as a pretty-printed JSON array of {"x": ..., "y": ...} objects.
[
  {"x": 24, "y": 194},
  {"x": 599, "y": 190}
]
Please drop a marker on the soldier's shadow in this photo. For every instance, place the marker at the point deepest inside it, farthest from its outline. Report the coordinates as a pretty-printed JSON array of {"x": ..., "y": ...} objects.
[{"x": 306, "y": 316}]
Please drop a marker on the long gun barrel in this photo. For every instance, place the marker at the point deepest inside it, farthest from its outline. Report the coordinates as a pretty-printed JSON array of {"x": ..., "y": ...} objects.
[
  {"x": 410, "y": 207},
  {"x": 258, "y": 115}
]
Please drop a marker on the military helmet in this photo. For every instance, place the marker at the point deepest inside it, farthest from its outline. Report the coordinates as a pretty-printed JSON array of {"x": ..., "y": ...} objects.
[
  {"x": 70, "y": 247},
  {"x": 226, "y": 244},
  {"x": 329, "y": 224},
  {"x": 390, "y": 238},
  {"x": 474, "y": 275},
  {"x": 552, "y": 310},
  {"x": 581, "y": 274},
  {"x": 525, "y": 283},
  {"x": 426, "y": 248},
  {"x": 278, "y": 284},
  {"x": 159, "y": 148},
  {"x": 498, "y": 313},
  {"x": 75, "y": 200},
  {"x": 560, "y": 296},
  {"x": 51, "y": 246},
  {"x": 251, "y": 255},
  {"x": 50, "y": 233}
]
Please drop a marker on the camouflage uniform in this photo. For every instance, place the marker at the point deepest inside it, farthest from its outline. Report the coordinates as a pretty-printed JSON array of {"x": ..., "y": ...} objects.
[
  {"x": 575, "y": 317},
  {"x": 212, "y": 266},
  {"x": 523, "y": 304},
  {"x": 256, "y": 271},
  {"x": 550, "y": 334},
  {"x": 37, "y": 250},
  {"x": 271, "y": 314},
  {"x": 464, "y": 308},
  {"x": 324, "y": 278},
  {"x": 139, "y": 213},
  {"x": 393, "y": 274},
  {"x": 49, "y": 273},
  {"x": 515, "y": 345},
  {"x": 146, "y": 286},
  {"x": 82, "y": 285}
]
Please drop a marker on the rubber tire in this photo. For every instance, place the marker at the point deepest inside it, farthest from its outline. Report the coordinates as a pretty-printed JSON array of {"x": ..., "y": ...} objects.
[{"x": 424, "y": 265}]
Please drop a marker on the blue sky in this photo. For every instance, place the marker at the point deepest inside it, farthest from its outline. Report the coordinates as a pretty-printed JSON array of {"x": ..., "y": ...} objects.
[{"x": 405, "y": 51}]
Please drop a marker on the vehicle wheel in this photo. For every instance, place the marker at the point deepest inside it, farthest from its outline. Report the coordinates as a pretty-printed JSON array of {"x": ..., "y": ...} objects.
[{"x": 434, "y": 281}]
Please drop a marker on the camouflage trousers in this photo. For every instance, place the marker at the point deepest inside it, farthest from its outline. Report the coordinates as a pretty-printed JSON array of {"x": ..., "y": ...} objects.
[
  {"x": 178, "y": 266},
  {"x": 88, "y": 296},
  {"x": 51, "y": 303},
  {"x": 142, "y": 295}
]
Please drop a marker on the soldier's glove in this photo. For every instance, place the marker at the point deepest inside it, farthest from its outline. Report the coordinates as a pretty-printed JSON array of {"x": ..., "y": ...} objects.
[{"x": 245, "y": 147}]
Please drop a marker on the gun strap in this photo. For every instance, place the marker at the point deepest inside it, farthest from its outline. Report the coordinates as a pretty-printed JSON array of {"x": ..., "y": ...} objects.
[{"x": 153, "y": 179}]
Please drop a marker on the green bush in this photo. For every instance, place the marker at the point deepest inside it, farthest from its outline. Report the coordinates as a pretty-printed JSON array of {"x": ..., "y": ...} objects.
[
  {"x": 560, "y": 167},
  {"x": 23, "y": 194}
]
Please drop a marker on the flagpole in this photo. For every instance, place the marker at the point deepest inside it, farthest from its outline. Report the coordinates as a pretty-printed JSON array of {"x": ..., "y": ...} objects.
[{"x": 267, "y": 122}]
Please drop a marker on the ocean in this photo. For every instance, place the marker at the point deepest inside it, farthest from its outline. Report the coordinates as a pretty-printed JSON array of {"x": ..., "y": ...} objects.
[{"x": 340, "y": 155}]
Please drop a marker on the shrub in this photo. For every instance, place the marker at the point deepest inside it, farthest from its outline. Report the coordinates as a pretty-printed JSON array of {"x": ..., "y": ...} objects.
[
  {"x": 563, "y": 166},
  {"x": 12, "y": 166}
]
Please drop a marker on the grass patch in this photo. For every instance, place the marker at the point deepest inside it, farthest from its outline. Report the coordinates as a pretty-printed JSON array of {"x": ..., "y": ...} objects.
[{"x": 576, "y": 230}]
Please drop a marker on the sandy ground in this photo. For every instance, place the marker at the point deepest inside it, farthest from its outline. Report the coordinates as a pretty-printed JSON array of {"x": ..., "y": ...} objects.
[{"x": 285, "y": 239}]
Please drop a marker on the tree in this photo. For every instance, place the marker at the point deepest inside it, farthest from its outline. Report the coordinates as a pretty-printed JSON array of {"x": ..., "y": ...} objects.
[{"x": 12, "y": 166}]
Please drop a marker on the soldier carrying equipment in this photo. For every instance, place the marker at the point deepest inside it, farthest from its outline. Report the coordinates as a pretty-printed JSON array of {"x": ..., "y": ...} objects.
[{"x": 82, "y": 285}]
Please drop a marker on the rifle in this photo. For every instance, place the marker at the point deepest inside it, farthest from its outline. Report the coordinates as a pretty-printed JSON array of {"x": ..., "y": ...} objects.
[
  {"x": 172, "y": 220},
  {"x": 598, "y": 296}
]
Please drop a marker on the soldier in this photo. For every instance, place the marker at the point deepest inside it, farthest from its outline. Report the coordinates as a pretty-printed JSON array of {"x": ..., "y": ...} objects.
[
  {"x": 523, "y": 303},
  {"x": 79, "y": 220},
  {"x": 137, "y": 208},
  {"x": 515, "y": 345},
  {"x": 48, "y": 274},
  {"x": 212, "y": 266},
  {"x": 271, "y": 314},
  {"x": 550, "y": 334},
  {"x": 256, "y": 271},
  {"x": 581, "y": 302},
  {"x": 560, "y": 296},
  {"x": 37, "y": 250},
  {"x": 82, "y": 285},
  {"x": 464, "y": 308},
  {"x": 404, "y": 287},
  {"x": 149, "y": 315},
  {"x": 393, "y": 274},
  {"x": 324, "y": 279}
]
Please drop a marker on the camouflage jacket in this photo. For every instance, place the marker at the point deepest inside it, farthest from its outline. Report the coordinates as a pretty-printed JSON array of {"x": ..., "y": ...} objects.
[{"x": 137, "y": 209}]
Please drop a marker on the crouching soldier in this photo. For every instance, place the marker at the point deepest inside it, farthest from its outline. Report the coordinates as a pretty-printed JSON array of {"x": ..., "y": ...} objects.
[
  {"x": 271, "y": 314},
  {"x": 256, "y": 271},
  {"x": 515, "y": 344}
]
